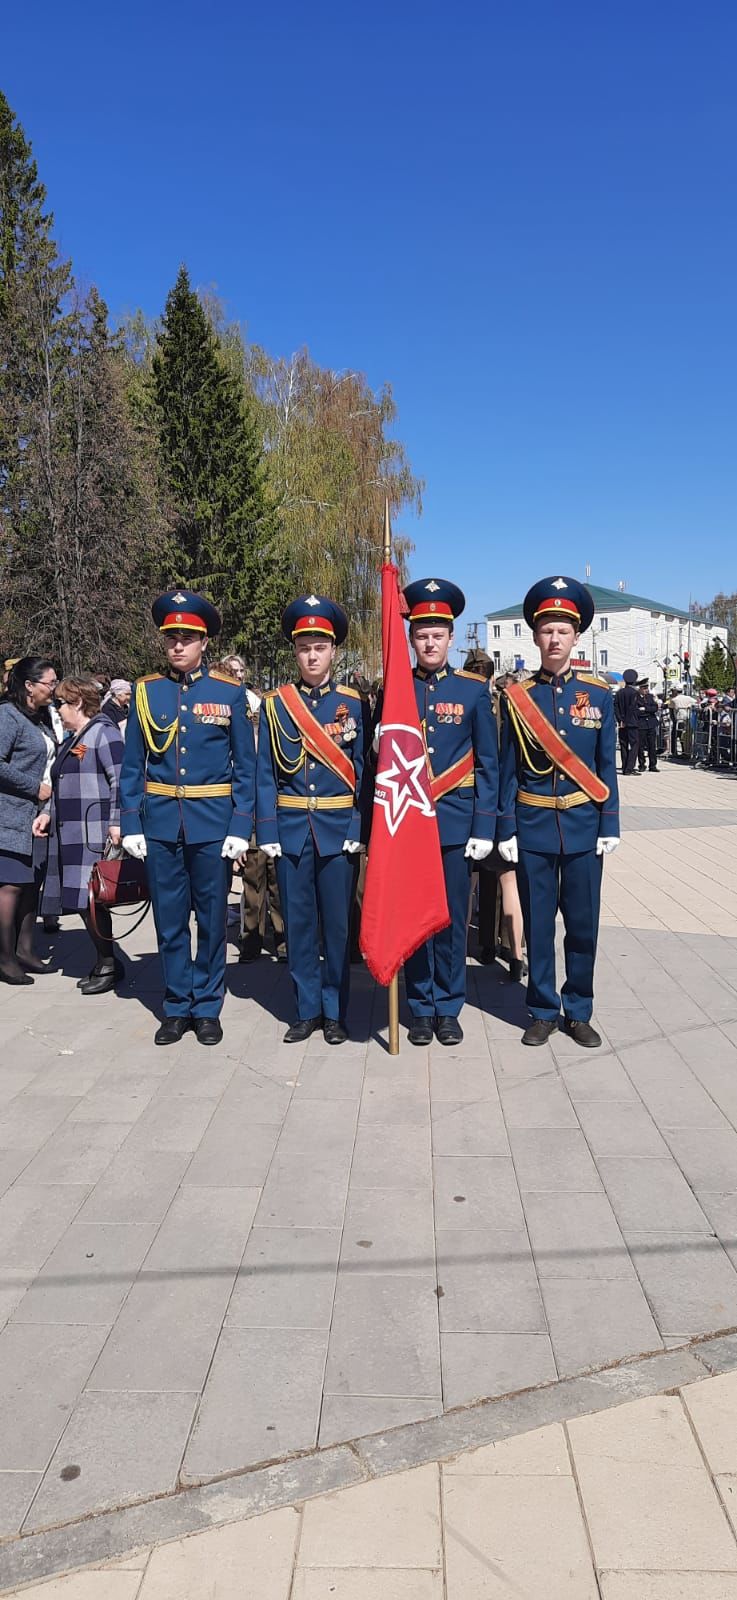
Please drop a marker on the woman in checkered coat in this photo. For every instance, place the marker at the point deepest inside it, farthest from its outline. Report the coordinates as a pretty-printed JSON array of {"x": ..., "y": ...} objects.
[{"x": 84, "y": 813}]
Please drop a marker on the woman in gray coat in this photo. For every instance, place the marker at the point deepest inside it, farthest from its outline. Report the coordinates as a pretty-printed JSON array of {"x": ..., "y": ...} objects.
[
  {"x": 25, "y": 740},
  {"x": 84, "y": 813}
]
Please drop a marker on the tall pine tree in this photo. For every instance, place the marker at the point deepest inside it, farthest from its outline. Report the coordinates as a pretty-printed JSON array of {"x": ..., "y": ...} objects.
[
  {"x": 222, "y": 525},
  {"x": 33, "y": 342}
]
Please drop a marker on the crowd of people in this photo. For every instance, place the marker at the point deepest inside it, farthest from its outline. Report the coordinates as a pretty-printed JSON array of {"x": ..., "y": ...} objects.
[{"x": 213, "y": 783}]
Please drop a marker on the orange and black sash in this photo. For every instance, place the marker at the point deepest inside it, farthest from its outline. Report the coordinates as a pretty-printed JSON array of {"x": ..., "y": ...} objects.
[
  {"x": 455, "y": 777},
  {"x": 314, "y": 738},
  {"x": 536, "y": 724}
]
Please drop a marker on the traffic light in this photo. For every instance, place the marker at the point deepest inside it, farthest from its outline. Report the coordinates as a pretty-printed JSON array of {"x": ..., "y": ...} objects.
[{"x": 687, "y": 662}]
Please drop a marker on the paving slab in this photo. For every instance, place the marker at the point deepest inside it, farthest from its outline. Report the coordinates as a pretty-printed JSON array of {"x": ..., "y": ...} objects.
[
  {"x": 384, "y": 1338},
  {"x": 261, "y": 1400},
  {"x": 103, "y": 1439},
  {"x": 647, "y": 1452},
  {"x": 384, "y": 1237}
]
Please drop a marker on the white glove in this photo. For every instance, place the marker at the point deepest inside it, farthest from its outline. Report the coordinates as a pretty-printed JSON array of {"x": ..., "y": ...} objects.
[
  {"x": 135, "y": 845},
  {"x": 377, "y": 736},
  {"x": 233, "y": 847},
  {"x": 271, "y": 850},
  {"x": 352, "y": 846},
  {"x": 508, "y": 850},
  {"x": 478, "y": 849},
  {"x": 604, "y": 847}
]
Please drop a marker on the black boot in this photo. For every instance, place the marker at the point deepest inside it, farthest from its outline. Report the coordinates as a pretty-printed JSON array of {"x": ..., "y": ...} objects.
[
  {"x": 100, "y": 970},
  {"x": 99, "y": 982}
]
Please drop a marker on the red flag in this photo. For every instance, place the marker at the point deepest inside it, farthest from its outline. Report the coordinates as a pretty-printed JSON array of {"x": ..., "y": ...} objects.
[{"x": 404, "y": 900}]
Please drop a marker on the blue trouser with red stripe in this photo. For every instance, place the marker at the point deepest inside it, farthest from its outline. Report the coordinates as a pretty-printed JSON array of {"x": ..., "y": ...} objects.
[
  {"x": 435, "y": 976},
  {"x": 548, "y": 882},
  {"x": 185, "y": 878}
]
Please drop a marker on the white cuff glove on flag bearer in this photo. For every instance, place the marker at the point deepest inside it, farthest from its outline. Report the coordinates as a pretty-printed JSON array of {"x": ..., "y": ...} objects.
[
  {"x": 352, "y": 846},
  {"x": 134, "y": 845},
  {"x": 271, "y": 850},
  {"x": 233, "y": 847},
  {"x": 478, "y": 849},
  {"x": 604, "y": 847},
  {"x": 508, "y": 850}
]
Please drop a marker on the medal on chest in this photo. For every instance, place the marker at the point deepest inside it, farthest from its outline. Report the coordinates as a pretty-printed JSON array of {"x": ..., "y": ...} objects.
[
  {"x": 449, "y": 711},
  {"x": 582, "y": 713},
  {"x": 211, "y": 713}
]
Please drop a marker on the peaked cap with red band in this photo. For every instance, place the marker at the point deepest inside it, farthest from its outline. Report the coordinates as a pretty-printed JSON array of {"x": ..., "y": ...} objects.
[
  {"x": 563, "y": 599},
  {"x": 181, "y": 608},
  {"x": 434, "y": 600},
  {"x": 316, "y": 615}
]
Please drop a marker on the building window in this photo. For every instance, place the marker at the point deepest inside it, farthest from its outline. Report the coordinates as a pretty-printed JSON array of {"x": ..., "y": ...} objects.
[
  {"x": 518, "y": 630},
  {"x": 582, "y": 655},
  {"x": 497, "y": 631},
  {"x": 603, "y": 624},
  {"x": 603, "y": 658},
  {"x": 497, "y": 658}
]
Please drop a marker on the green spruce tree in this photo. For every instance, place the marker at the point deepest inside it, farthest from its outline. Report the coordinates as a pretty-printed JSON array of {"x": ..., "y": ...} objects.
[
  {"x": 34, "y": 331},
  {"x": 222, "y": 525},
  {"x": 716, "y": 671}
]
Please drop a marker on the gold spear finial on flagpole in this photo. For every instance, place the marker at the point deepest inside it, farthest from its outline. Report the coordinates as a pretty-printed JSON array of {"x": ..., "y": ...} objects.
[{"x": 393, "y": 991}]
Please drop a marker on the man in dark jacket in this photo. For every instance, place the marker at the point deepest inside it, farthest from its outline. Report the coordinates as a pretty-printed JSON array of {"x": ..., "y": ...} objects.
[
  {"x": 647, "y": 710},
  {"x": 628, "y": 721}
]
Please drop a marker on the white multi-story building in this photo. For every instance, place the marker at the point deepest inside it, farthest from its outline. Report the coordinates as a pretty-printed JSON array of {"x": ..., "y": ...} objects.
[{"x": 662, "y": 643}]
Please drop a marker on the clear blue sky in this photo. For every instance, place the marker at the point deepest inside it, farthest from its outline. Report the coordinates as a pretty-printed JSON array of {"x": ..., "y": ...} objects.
[{"x": 523, "y": 215}]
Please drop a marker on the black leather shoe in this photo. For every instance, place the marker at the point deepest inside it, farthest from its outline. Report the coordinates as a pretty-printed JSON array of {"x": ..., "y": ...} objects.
[
  {"x": 486, "y": 955},
  {"x": 449, "y": 1030},
  {"x": 98, "y": 983},
  {"x": 208, "y": 1030},
  {"x": 583, "y": 1033},
  {"x": 300, "y": 1031},
  {"x": 334, "y": 1031},
  {"x": 539, "y": 1031},
  {"x": 172, "y": 1030},
  {"x": 118, "y": 971},
  {"x": 420, "y": 1031},
  {"x": 15, "y": 977}
]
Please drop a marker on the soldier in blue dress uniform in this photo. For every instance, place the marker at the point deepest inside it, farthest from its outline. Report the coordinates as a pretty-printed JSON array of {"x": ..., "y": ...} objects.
[
  {"x": 187, "y": 793},
  {"x": 559, "y": 808},
  {"x": 458, "y": 724},
  {"x": 309, "y": 812}
]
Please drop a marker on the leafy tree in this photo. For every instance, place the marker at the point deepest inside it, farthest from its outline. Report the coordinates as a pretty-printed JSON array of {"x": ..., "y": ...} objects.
[
  {"x": 716, "y": 670},
  {"x": 221, "y": 520},
  {"x": 722, "y": 610},
  {"x": 331, "y": 463}
]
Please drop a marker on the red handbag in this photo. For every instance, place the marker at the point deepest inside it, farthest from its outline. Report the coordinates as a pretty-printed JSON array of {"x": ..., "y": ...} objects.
[{"x": 118, "y": 880}]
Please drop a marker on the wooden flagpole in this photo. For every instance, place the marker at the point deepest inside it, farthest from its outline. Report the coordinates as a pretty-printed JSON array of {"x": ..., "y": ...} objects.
[{"x": 393, "y": 991}]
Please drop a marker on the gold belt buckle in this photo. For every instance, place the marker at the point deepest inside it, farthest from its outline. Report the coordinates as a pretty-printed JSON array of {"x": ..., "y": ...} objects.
[
  {"x": 312, "y": 802},
  {"x": 179, "y": 791}
]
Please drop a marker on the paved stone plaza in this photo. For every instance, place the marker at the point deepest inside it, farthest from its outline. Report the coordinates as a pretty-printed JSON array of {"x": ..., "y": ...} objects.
[
  {"x": 634, "y": 1503},
  {"x": 213, "y": 1259}
]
